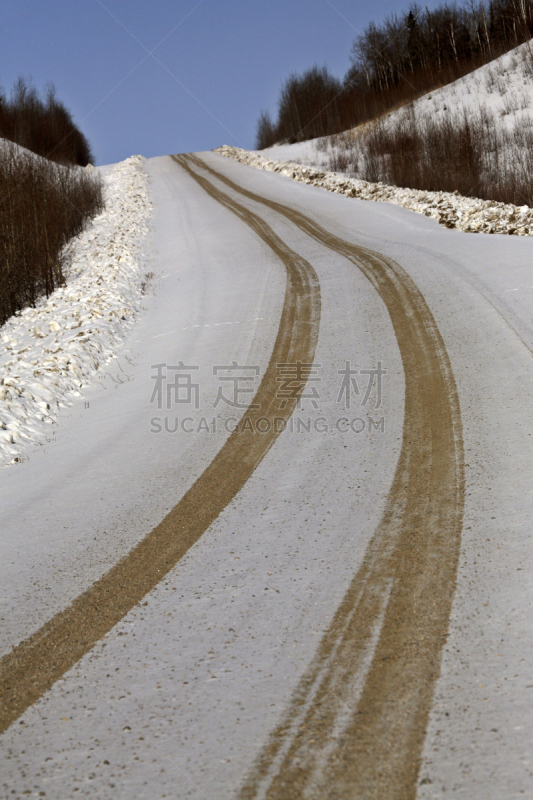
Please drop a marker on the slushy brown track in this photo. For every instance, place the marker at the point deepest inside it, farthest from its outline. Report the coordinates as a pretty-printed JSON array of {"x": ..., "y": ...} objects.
[
  {"x": 35, "y": 664},
  {"x": 356, "y": 724}
]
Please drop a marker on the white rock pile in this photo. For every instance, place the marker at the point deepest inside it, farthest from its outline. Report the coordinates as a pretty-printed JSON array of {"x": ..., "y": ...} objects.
[{"x": 451, "y": 210}]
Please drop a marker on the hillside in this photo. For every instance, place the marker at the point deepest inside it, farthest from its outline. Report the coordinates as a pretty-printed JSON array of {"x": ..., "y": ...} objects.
[{"x": 474, "y": 136}]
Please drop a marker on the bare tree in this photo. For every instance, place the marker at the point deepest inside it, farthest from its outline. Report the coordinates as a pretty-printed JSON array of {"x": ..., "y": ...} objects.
[{"x": 265, "y": 132}]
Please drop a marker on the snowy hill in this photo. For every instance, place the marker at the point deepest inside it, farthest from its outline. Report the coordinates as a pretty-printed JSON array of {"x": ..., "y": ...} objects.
[
  {"x": 496, "y": 99},
  {"x": 505, "y": 86},
  {"x": 462, "y": 155}
]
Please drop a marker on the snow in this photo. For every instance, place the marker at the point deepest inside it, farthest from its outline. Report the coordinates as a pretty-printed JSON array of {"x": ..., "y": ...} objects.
[
  {"x": 53, "y": 350},
  {"x": 17, "y": 149},
  {"x": 451, "y": 210},
  {"x": 179, "y": 698},
  {"x": 105, "y": 481},
  {"x": 501, "y": 88},
  {"x": 181, "y": 695},
  {"x": 300, "y": 152}
]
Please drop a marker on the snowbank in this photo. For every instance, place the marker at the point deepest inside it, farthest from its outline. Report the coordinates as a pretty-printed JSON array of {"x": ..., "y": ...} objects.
[
  {"x": 451, "y": 210},
  {"x": 50, "y": 352}
]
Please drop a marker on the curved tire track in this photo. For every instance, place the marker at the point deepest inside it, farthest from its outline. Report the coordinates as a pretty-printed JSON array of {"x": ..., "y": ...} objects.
[
  {"x": 36, "y": 663},
  {"x": 356, "y": 723}
]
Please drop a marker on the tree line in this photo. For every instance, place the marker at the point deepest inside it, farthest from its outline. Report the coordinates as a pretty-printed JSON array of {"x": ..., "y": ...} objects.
[
  {"x": 42, "y": 125},
  {"x": 395, "y": 62}
]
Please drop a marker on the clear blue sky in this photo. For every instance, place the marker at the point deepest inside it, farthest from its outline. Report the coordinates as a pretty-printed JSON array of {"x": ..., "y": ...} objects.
[{"x": 203, "y": 86}]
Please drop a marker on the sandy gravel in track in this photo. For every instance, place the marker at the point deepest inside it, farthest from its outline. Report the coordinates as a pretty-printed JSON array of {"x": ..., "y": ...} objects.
[
  {"x": 387, "y": 635},
  {"x": 35, "y": 664}
]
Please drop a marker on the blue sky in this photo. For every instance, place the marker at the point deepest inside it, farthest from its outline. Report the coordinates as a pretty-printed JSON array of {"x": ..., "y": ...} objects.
[{"x": 215, "y": 65}]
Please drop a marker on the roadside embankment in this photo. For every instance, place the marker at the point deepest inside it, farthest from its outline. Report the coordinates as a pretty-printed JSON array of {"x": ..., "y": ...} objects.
[
  {"x": 449, "y": 209},
  {"x": 49, "y": 352}
]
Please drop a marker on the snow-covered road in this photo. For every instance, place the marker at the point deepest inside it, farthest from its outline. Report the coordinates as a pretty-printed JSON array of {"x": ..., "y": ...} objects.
[{"x": 206, "y": 688}]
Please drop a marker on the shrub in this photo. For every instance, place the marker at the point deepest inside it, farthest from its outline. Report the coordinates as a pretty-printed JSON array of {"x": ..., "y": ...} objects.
[
  {"x": 473, "y": 154},
  {"x": 265, "y": 131},
  {"x": 42, "y": 206}
]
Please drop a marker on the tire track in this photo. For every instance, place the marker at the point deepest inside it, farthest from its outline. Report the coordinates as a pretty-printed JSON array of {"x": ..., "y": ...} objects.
[
  {"x": 36, "y": 663},
  {"x": 356, "y": 724}
]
